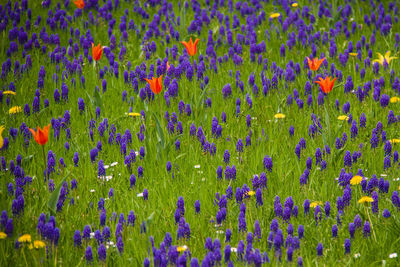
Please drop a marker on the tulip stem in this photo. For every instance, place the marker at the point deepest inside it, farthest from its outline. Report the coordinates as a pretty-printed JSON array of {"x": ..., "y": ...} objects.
[{"x": 44, "y": 161}]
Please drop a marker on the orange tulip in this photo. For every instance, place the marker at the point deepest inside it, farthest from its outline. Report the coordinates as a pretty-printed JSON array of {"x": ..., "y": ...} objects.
[
  {"x": 155, "y": 84},
  {"x": 326, "y": 84},
  {"x": 41, "y": 136},
  {"x": 96, "y": 52},
  {"x": 79, "y": 4},
  {"x": 191, "y": 47},
  {"x": 314, "y": 63}
]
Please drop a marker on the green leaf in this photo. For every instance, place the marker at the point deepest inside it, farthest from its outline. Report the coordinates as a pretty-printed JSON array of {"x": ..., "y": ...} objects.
[
  {"x": 97, "y": 99},
  {"x": 52, "y": 202},
  {"x": 160, "y": 135}
]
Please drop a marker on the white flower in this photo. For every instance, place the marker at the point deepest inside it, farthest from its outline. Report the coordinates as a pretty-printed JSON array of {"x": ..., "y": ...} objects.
[
  {"x": 106, "y": 166},
  {"x": 219, "y": 232},
  {"x": 91, "y": 235},
  {"x": 393, "y": 255},
  {"x": 357, "y": 255},
  {"x": 105, "y": 178},
  {"x": 234, "y": 250},
  {"x": 113, "y": 164},
  {"x": 92, "y": 190},
  {"x": 197, "y": 166},
  {"x": 140, "y": 195}
]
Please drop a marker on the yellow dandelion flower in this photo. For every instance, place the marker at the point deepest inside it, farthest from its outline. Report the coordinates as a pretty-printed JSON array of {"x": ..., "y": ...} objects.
[
  {"x": 250, "y": 193},
  {"x": 365, "y": 199},
  {"x": 295, "y": 5},
  {"x": 26, "y": 238},
  {"x": 353, "y": 54},
  {"x": 9, "y": 93},
  {"x": 356, "y": 180},
  {"x": 395, "y": 141},
  {"x": 1, "y": 137},
  {"x": 316, "y": 203},
  {"x": 274, "y": 15},
  {"x": 15, "y": 110},
  {"x": 134, "y": 114},
  {"x": 39, "y": 244},
  {"x": 279, "y": 116},
  {"x": 3, "y": 235},
  {"x": 182, "y": 248},
  {"x": 343, "y": 118},
  {"x": 394, "y": 99}
]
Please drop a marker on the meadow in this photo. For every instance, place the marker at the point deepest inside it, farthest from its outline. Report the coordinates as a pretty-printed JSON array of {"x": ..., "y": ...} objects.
[{"x": 199, "y": 133}]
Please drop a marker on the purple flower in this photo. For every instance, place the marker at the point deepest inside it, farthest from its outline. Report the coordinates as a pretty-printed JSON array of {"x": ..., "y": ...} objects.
[
  {"x": 89, "y": 254},
  {"x": 320, "y": 249},
  {"x": 145, "y": 194},
  {"x": 366, "y": 229},
  {"x": 347, "y": 245},
  {"x": 77, "y": 238},
  {"x": 102, "y": 253}
]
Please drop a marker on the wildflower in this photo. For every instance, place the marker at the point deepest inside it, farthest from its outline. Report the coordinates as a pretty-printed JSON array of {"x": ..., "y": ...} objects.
[
  {"x": 102, "y": 252},
  {"x": 393, "y": 99},
  {"x": 386, "y": 213},
  {"x": 320, "y": 249},
  {"x": 155, "y": 84},
  {"x": 316, "y": 203},
  {"x": 1, "y": 137},
  {"x": 279, "y": 116},
  {"x": 326, "y": 84},
  {"x": 89, "y": 254},
  {"x": 9, "y": 93},
  {"x": 3, "y": 235},
  {"x": 295, "y": 5},
  {"x": 356, "y": 180},
  {"x": 37, "y": 244},
  {"x": 25, "y": 238},
  {"x": 365, "y": 199},
  {"x": 274, "y": 15},
  {"x": 315, "y": 63},
  {"x": 382, "y": 59},
  {"x": 79, "y": 4},
  {"x": 347, "y": 245},
  {"x": 134, "y": 114},
  {"x": 182, "y": 248},
  {"x": 15, "y": 110},
  {"x": 366, "y": 229},
  {"x": 41, "y": 136},
  {"x": 96, "y": 52},
  {"x": 191, "y": 47},
  {"x": 343, "y": 118}
]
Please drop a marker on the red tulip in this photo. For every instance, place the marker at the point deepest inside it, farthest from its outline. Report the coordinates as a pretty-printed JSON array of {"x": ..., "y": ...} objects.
[
  {"x": 41, "y": 136},
  {"x": 191, "y": 47},
  {"x": 155, "y": 84},
  {"x": 96, "y": 52},
  {"x": 326, "y": 84}
]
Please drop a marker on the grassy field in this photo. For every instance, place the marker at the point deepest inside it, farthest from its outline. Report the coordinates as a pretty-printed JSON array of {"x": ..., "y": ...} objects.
[{"x": 241, "y": 159}]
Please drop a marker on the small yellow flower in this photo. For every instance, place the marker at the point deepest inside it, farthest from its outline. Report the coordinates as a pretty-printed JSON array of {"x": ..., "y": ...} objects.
[
  {"x": 316, "y": 203},
  {"x": 295, "y": 5},
  {"x": 15, "y": 110},
  {"x": 274, "y": 15},
  {"x": 353, "y": 54},
  {"x": 250, "y": 193},
  {"x": 37, "y": 244},
  {"x": 134, "y": 114},
  {"x": 365, "y": 199},
  {"x": 1, "y": 137},
  {"x": 356, "y": 180},
  {"x": 3, "y": 235},
  {"x": 394, "y": 141},
  {"x": 394, "y": 99},
  {"x": 279, "y": 116},
  {"x": 25, "y": 238},
  {"x": 386, "y": 58},
  {"x": 182, "y": 248},
  {"x": 9, "y": 93},
  {"x": 343, "y": 118}
]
